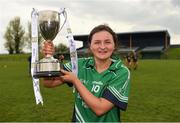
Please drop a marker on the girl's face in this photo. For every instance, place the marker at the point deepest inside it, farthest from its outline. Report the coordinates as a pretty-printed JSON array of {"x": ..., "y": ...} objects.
[{"x": 102, "y": 45}]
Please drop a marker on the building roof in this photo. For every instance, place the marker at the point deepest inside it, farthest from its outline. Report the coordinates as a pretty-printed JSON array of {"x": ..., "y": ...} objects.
[
  {"x": 153, "y": 49},
  {"x": 127, "y": 49},
  {"x": 84, "y": 37},
  {"x": 145, "y": 32}
]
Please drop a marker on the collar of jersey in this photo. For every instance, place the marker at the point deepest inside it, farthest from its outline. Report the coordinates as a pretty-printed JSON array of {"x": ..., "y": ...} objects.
[{"x": 116, "y": 63}]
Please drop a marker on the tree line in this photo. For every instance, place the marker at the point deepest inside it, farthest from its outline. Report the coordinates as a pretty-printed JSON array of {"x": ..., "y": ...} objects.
[{"x": 16, "y": 38}]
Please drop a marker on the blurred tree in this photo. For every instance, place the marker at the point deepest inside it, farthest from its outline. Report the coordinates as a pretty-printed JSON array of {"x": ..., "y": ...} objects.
[
  {"x": 28, "y": 37},
  {"x": 61, "y": 48},
  {"x": 9, "y": 45},
  {"x": 14, "y": 36}
]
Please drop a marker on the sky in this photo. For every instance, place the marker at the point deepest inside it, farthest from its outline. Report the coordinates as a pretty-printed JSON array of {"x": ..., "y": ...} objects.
[{"x": 83, "y": 15}]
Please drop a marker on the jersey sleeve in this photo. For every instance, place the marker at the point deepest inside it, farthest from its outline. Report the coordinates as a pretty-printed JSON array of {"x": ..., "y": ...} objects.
[
  {"x": 117, "y": 90},
  {"x": 67, "y": 66}
]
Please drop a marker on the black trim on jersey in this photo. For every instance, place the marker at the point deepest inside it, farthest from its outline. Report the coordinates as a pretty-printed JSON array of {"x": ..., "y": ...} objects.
[
  {"x": 69, "y": 84},
  {"x": 109, "y": 96},
  {"x": 73, "y": 116}
]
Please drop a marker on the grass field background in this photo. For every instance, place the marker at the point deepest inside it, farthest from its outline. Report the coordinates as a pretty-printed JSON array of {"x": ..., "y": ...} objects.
[{"x": 154, "y": 95}]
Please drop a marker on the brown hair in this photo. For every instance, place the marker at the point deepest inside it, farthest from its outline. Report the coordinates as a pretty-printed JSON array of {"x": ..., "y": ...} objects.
[{"x": 103, "y": 28}]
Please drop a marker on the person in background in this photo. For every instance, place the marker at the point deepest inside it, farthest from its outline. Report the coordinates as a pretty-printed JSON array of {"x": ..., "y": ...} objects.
[
  {"x": 128, "y": 61},
  {"x": 102, "y": 84},
  {"x": 29, "y": 66},
  {"x": 134, "y": 60}
]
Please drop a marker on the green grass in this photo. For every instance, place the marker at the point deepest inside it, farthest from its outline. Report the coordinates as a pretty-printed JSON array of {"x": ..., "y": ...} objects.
[
  {"x": 17, "y": 101},
  {"x": 12, "y": 57},
  {"x": 172, "y": 53},
  {"x": 155, "y": 92},
  {"x": 154, "y": 96}
]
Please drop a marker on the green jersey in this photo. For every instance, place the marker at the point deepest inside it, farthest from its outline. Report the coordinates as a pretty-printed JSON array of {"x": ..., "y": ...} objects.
[{"x": 112, "y": 84}]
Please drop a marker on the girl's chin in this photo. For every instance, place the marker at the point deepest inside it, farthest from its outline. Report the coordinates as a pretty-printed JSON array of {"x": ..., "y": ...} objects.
[{"x": 102, "y": 57}]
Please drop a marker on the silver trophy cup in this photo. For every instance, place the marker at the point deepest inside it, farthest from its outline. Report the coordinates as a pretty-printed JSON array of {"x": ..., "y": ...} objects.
[{"x": 49, "y": 26}]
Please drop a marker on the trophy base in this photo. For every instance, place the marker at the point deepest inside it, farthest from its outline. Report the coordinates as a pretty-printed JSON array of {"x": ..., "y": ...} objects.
[{"x": 45, "y": 74}]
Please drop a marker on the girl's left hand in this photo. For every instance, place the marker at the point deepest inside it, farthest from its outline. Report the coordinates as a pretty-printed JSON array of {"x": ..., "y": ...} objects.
[{"x": 68, "y": 76}]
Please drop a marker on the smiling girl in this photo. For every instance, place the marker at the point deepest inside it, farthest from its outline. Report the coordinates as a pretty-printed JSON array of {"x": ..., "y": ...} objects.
[{"x": 103, "y": 83}]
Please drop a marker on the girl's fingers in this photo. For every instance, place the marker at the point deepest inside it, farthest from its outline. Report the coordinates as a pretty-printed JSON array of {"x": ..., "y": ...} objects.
[
  {"x": 48, "y": 48},
  {"x": 63, "y": 71}
]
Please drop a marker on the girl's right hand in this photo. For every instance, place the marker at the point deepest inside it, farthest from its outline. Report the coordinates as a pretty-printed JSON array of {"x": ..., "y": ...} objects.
[{"x": 48, "y": 48}]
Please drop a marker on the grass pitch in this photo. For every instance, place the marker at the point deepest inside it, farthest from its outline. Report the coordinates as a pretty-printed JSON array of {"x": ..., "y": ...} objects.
[{"x": 154, "y": 96}]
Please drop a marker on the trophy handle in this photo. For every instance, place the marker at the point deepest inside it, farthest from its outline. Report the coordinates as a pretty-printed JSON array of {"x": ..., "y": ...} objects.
[{"x": 65, "y": 17}]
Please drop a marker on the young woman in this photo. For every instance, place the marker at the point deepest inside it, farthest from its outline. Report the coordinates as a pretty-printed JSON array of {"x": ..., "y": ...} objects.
[{"x": 102, "y": 85}]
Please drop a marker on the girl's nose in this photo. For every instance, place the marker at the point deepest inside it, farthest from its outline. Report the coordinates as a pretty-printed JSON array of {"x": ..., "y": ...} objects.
[{"x": 102, "y": 45}]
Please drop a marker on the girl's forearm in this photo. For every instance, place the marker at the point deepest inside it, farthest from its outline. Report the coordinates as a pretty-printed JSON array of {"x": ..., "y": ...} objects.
[
  {"x": 98, "y": 105},
  {"x": 51, "y": 82}
]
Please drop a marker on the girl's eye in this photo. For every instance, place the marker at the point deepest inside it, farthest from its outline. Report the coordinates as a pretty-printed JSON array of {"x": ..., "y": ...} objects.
[
  {"x": 107, "y": 42},
  {"x": 97, "y": 42}
]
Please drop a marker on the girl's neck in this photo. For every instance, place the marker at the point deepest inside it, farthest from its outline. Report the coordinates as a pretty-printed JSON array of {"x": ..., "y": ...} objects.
[{"x": 102, "y": 65}]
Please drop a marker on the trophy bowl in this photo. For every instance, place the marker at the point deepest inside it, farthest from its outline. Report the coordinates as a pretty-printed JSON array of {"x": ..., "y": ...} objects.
[{"x": 49, "y": 24}]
